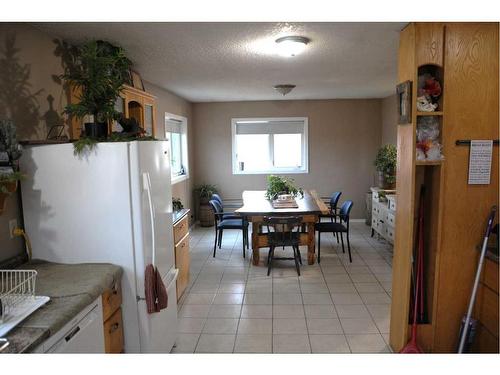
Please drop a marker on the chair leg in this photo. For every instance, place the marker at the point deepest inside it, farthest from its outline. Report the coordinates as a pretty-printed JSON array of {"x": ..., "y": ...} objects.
[
  {"x": 342, "y": 240},
  {"x": 215, "y": 242},
  {"x": 337, "y": 235},
  {"x": 248, "y": 242},
  {"x": 349, "y": 247},
  {"x": 299, "y": 254},
  {"x": 220, "y": 237},
  {"x": 270, "y": 260},
  {"x": 319, "y": 247}
]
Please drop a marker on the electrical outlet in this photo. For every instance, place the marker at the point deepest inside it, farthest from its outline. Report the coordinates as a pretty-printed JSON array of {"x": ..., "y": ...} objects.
[{"x": 12, "y": 226}]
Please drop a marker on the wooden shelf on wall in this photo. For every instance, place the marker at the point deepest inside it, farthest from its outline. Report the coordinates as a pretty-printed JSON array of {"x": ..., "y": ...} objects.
[
  {"x": 437, "y": 113},
  {"x": 429, "y": 162}
]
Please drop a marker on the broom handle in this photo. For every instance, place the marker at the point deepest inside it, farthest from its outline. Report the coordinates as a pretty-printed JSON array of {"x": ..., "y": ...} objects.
[{"x": 476, "y": 280}]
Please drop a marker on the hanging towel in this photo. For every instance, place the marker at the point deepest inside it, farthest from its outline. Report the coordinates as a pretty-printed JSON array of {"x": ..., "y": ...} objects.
[
  {"x": 154, "y": 290},
  {"x": 150, "y": 288}
]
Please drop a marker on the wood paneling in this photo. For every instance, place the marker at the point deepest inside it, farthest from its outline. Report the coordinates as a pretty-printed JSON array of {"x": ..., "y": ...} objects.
[
  {"x": 471, "y": 112},
  {"x": 455, "y": 211},
  {"x": 403, "y": 242},
  {"x": 429, "y": 43}
]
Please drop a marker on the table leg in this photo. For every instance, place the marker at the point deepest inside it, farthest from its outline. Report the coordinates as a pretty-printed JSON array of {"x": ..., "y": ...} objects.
[
  {"x": 311, "y": 243},
  {"x": 255, "y": 243}
]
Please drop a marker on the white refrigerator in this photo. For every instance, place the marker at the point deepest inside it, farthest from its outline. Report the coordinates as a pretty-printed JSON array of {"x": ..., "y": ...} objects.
[{"x": 112, "y": 205}]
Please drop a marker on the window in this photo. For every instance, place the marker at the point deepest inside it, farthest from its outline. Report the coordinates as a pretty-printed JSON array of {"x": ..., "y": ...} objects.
[
  {"x": 269, "y": 145},
  {"x": 176, "y": 132}
]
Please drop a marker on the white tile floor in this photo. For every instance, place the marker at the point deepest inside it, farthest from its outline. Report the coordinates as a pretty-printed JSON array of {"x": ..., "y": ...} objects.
[{"x": 232, "y": 306}]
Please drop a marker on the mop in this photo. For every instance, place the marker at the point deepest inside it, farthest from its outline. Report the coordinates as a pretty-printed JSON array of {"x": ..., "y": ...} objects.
[{"x": 467, "y": 322}]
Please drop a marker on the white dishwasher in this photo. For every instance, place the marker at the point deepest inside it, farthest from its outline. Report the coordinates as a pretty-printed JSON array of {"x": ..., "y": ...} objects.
[{"x": 83, "y": 334}]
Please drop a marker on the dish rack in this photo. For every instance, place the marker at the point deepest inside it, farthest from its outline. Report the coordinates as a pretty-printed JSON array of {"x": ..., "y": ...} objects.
[{"x": 17, "y": 297}]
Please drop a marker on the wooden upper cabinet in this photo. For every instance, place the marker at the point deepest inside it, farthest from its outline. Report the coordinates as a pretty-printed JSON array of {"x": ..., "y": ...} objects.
[{"x": 429, "y": 44}]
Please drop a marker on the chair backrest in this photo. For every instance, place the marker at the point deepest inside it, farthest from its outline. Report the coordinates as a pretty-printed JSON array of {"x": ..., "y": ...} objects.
[
  {"x": 216, "y": 208},
  {"x": 216, "y": 197},
  {"x": 334, "y": 200},
  {"x": 345, "y": 210},
  {"x": 283, "y": 226}
]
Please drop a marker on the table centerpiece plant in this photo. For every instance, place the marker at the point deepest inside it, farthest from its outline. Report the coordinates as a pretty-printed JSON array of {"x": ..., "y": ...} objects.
[{"x": 277, "y": 185}]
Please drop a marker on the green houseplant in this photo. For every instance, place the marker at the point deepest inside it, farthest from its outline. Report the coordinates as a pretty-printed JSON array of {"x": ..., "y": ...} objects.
[
  {"x": 10, "y": 152},
  {"x": 385, "y": 162},
  {"x": 98, "y": 72},
  {"x": 277, "y": 185},
  {"x": 203, "y": 193},
  {"x": 177, "y": 204}
]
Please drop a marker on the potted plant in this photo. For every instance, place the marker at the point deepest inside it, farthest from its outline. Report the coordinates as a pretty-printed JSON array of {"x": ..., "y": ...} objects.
[
  {"x": 177, "y": 204},
  {"x": 98, "y": 72},
  {"x": 277, "y": 185},
  {"x": 10, "y": 152},
  {"x": 204, "y": 193},
  {"x": 385, "y": 162}
]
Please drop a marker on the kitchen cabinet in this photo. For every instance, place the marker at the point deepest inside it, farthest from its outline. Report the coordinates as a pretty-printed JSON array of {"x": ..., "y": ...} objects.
[
  {"x": 112, "y": 317},
  {"x": 181, "y": 250}
]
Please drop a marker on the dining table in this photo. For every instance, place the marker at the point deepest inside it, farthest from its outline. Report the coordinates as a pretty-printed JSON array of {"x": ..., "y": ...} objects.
[{"x": 256, "y": 207}]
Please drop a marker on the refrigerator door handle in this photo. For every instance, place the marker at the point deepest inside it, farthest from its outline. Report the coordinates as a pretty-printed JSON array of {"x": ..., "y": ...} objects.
[{"x": 147, "y": 186}]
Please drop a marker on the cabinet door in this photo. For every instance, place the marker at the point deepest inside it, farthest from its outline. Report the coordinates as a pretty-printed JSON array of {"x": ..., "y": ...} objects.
[{"x": 182, "y": 263}]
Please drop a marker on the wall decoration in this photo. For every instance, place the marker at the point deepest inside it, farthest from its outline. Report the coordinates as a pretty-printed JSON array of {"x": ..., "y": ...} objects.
[{"x": 403, "y": 91}]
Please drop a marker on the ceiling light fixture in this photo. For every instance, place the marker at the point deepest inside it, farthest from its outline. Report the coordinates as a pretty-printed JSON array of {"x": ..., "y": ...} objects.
[
  {"x": 290, "y": 46},
  {"x": 284, "y": 89}
]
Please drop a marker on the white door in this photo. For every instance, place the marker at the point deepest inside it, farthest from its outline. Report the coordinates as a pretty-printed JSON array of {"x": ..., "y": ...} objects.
[{"x": 158, "y": 330}]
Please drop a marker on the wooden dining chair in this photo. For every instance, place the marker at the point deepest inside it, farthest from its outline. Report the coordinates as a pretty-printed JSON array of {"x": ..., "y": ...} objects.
[
  {"x": 221, "y": 223},
  {"x": 340, "y": 227},
  {"x": 281, "y": 232}
]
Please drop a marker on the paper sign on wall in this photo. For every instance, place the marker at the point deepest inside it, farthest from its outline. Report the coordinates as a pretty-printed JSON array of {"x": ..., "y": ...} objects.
[{"x": 480, "y": 162}]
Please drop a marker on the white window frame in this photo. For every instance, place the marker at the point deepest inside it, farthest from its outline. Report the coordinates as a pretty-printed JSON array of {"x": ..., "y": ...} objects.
[
  {"x": 184, "y": 145},
  {"x": 305, "y": 146}
]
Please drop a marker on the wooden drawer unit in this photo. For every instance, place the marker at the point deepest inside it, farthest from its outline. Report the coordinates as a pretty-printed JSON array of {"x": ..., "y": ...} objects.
[
  {"x": 112, "y": 317},
  {"x": 182, "y": 263},
  {"x": 111, "y": 300},
  {"x": 181, "y": 229},
  {"x": 113, "y": 333},
  {"x": 181, "y": 252}
]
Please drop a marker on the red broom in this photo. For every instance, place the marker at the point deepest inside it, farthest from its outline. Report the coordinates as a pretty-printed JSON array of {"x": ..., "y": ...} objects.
[{"x": 412, "y": 345}]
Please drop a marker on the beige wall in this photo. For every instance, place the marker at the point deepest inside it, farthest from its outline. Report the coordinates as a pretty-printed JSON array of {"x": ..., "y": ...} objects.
[
  {"x": 344, "y": 136},
  {"x": 32, "y": 64},
  {"x": 389, "y": 120},
  {"x": 171, "y": 103}
]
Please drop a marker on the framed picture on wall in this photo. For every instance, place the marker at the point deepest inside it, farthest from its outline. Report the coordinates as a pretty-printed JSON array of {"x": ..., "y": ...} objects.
[{"x": 403, "y": 92}]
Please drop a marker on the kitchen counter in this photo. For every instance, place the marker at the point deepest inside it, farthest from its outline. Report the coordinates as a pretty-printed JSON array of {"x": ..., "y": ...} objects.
[
  {"x": 71, "y": 287},
  {"x": 178, "y": 215}
]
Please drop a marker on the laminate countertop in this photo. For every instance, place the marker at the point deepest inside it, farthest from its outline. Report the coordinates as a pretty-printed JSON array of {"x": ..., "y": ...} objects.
[{"x": 71, "y": 287}]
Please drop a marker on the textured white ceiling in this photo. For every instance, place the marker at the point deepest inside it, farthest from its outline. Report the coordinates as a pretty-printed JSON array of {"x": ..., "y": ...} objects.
[{"x": 205, "y": 62}]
